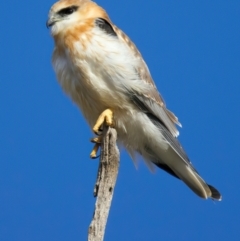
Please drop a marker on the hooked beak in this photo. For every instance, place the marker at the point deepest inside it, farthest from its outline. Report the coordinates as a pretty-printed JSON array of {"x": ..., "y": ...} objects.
[{"x": 51, "y": 21}]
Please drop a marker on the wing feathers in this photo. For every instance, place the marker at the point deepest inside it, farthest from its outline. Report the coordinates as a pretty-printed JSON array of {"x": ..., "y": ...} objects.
[
  {"x": 142, "y": 68},
  {"x": 172, "y": 117},
  {"x": 105, "y": 26},
  {"x": 175, "y": 161},
  {"x": 161, "y": 114},
  {"x": 151, "y": 99}
]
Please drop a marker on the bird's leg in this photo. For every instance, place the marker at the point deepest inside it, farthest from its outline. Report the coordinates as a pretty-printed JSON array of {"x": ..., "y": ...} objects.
[{"x": 107, "y": 117}]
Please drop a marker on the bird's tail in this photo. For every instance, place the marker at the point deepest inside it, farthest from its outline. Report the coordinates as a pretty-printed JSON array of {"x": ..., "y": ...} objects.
[
  {"x": 193, "y": 180},
  {"x": 174, "y": 165},
  {"x": 197, "y": 184},
  {"x": 215, "y": 193}
]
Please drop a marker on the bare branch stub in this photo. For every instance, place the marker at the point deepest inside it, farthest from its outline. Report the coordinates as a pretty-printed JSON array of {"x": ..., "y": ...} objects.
[{"x": 104, "y": 187}]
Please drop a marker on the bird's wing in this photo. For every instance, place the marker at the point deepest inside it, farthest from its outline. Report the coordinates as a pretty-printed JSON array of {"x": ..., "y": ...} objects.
[
  {"x": 150, "y": 101},
  {"x": 152, "y": 104}
]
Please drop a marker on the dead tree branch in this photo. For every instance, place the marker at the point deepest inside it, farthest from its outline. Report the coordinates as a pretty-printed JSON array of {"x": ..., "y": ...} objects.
[{"x": 104, "y": 187}]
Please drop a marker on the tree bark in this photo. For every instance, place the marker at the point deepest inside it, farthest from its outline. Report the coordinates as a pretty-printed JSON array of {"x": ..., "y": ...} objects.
[{"x": 104, "y": 187}]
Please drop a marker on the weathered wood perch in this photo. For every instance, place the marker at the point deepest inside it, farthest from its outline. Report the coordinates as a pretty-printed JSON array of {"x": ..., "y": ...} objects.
[{"x": 104, "y": 187}]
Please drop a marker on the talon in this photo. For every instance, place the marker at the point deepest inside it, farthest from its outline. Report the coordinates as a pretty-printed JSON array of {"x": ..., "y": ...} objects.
[
  {"x": 97, "y": 140},
  {"x": 106, "y": 116},
  {"x": 93, "y": 154},
  {"x": 93, "y": 158}
]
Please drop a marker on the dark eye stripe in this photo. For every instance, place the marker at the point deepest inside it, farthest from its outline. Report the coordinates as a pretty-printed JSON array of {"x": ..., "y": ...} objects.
[{"x": 67, "y": 11}]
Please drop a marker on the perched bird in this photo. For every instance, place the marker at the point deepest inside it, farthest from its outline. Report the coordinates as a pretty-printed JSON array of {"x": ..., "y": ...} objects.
[{"x": 99, "y": 67}]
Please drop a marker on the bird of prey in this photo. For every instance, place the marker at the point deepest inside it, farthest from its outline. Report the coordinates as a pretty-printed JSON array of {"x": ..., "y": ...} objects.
[{"x": 103, "y": 72}]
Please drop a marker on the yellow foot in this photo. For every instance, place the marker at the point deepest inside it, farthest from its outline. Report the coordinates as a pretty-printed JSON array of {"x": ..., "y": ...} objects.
[
  {"x": 97, "y": 140},
  {"x": 93, "y": 154},
  {"x": 106, "y": 116}
]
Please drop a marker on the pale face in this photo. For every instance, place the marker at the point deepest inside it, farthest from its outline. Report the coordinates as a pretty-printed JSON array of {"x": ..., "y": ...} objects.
[
  {"x": 61, "y": 16},
  {"x": 67, "y": 13}
]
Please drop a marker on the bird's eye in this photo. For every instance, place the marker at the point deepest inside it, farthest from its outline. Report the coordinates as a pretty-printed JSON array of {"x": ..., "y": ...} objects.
[{"x": 67, "y": 11}]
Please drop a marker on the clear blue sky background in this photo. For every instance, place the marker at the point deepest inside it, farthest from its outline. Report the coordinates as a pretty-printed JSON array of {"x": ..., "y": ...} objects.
[{"x": 46, "y": 177}]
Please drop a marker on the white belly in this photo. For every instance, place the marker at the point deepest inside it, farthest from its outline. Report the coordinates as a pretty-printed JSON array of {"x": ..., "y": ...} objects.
[{"x": 96, "y": 80}]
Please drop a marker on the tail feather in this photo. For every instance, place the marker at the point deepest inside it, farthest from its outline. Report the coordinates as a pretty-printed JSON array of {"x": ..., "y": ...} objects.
[
  {"x": 216, "y": 195},
  {"x": 169, "y": 155},
  {"x": 193, "y": 180},
  {"x": 186, "y": 172},
  {"x": 196, "y": 183}
]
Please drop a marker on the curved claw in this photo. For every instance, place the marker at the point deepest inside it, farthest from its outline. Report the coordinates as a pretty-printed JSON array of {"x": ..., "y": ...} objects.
[
  {"x": 93, "y": 154},
  {"x": 95, "y": 157},
  {"x": 97, "y": 140}
]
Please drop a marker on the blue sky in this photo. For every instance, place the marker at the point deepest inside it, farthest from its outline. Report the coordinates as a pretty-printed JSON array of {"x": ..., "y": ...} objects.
[{"x": 46, "y": 177}]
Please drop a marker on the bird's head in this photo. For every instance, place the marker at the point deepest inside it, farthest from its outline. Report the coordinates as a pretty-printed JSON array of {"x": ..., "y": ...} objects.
[{"x": 67, "y": 13}]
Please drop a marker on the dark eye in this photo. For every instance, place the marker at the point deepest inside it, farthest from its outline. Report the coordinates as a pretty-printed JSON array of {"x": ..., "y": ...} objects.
[{"x": 67, "y": 11}]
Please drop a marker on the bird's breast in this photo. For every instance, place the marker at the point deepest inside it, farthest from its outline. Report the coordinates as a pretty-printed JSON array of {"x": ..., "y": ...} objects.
[{"x": 92, "y": 70}]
